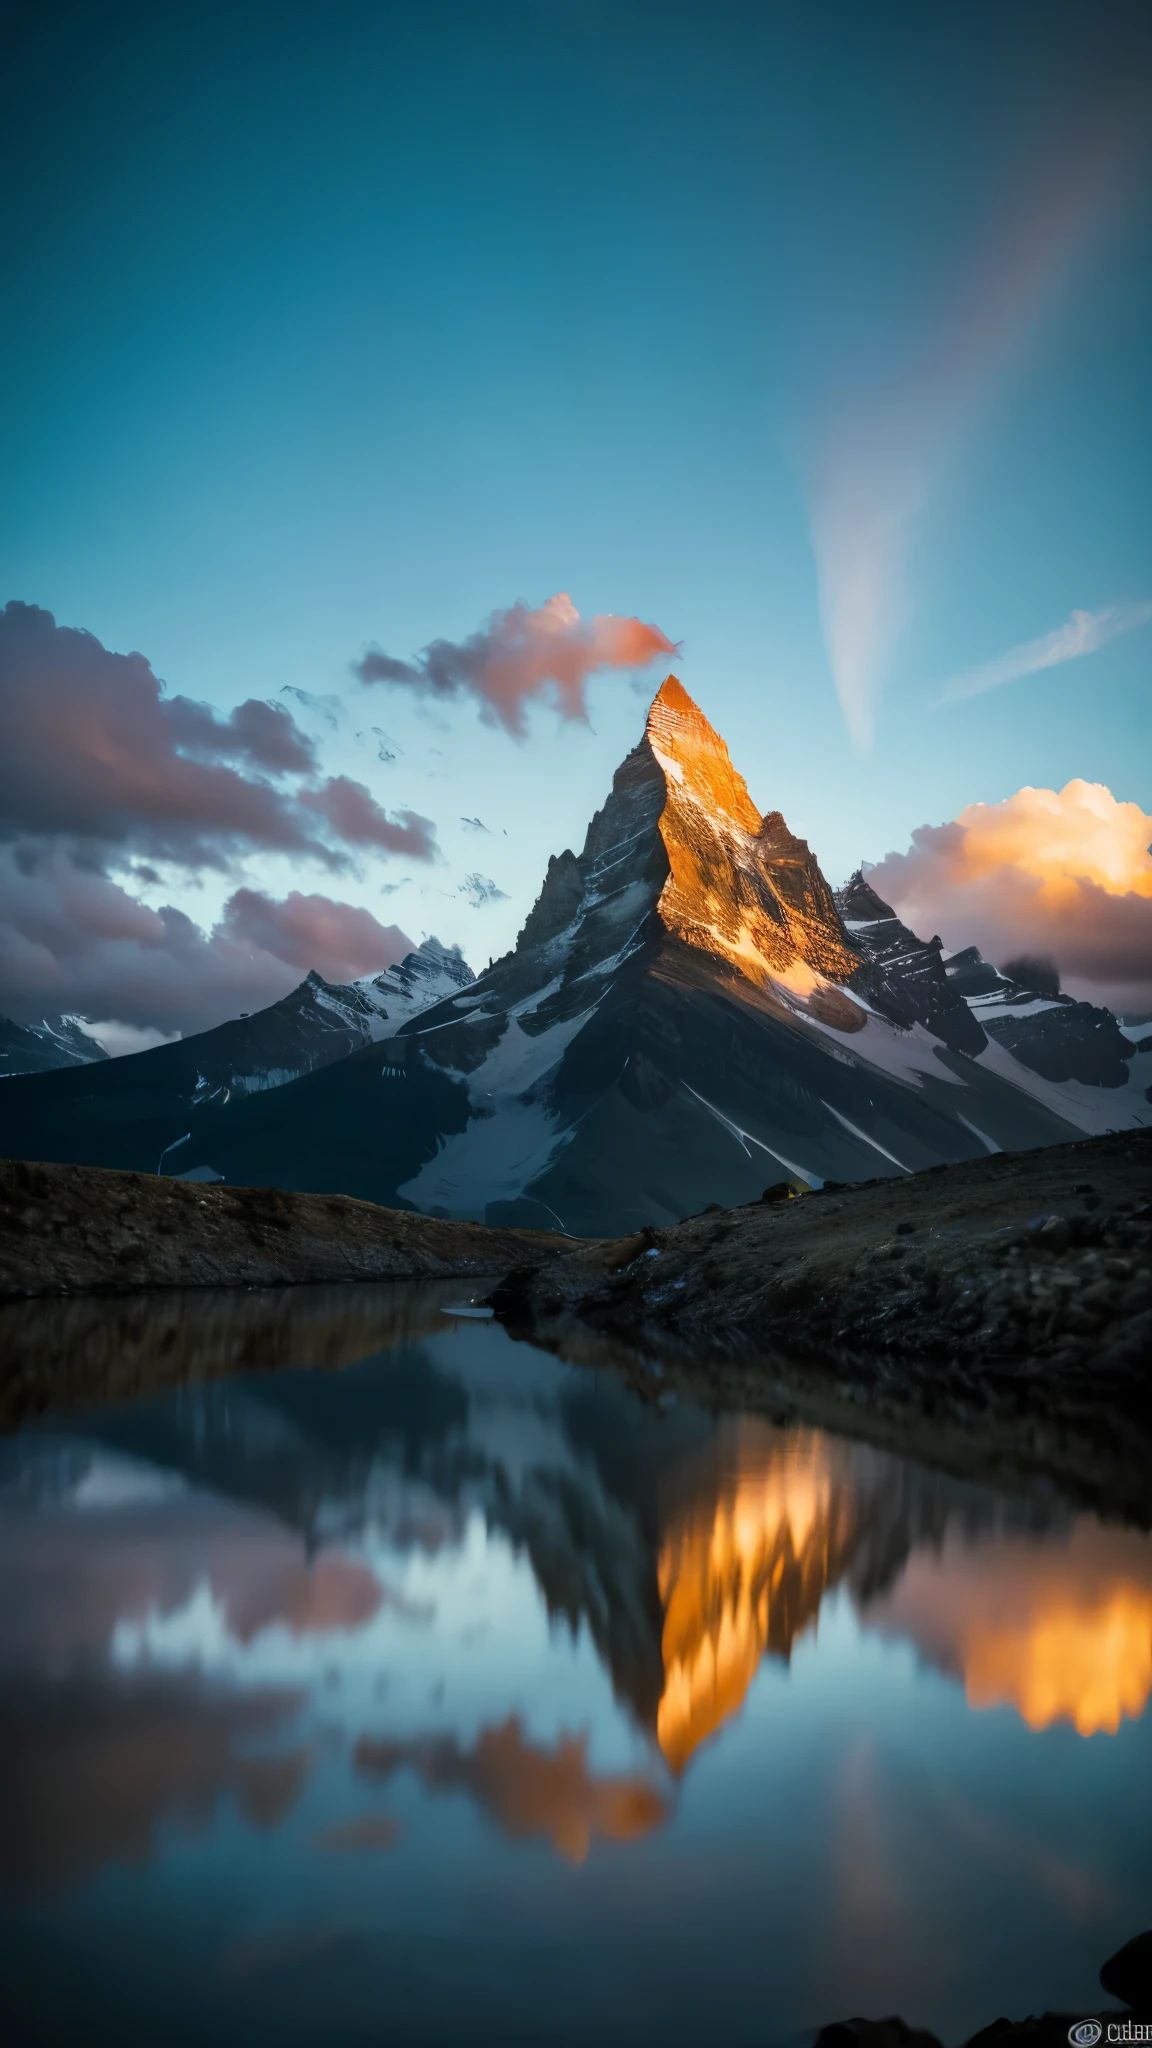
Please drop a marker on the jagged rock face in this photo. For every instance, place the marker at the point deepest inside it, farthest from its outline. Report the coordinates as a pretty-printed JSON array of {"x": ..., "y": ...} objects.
[
  {"x": 903, "y": 976},
  {"x": 685, "y": 1020},
  {"x": 680, "y": 852},
  {"x": 422, "y": 978},
  {"x": 1052, "y": 1034},
  {"x": 739, "y": 885}
]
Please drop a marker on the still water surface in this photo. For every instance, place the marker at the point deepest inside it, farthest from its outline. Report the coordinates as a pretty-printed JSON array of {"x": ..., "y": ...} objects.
[{"x": 461, "y": 1695}]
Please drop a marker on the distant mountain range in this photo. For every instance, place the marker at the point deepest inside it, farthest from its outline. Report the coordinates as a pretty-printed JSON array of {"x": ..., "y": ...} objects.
[
  {"x": 690, "y": 1012},
  {"x": 41, "y": 1048},
  {"x": 125, "y": 1113}
]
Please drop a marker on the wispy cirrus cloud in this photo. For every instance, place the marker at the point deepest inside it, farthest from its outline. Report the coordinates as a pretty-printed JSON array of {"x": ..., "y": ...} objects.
[
  {"x": 521, "y": 655},
  {"x": 1081, "y": 633},
  {"x": 883, "y": 455}
]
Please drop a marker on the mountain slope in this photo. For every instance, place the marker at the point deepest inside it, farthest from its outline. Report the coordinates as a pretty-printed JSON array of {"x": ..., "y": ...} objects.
[
  {"x": 41, "y": 1048},
  {"x": 1048, "y": 1031},
  {"x": 687, "y": 1016},
  {"x": 138, "y": 1111}
]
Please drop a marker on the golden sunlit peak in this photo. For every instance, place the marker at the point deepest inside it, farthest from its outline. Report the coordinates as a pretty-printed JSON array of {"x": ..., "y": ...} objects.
[
  {"x": 674, "y": 714},
  {"x": 674, "y": 697},
  {"x": 754, "y": 898}
]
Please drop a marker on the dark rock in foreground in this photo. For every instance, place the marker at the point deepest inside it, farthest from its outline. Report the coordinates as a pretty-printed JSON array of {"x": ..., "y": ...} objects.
[{"x": 1126, "y": 1975}]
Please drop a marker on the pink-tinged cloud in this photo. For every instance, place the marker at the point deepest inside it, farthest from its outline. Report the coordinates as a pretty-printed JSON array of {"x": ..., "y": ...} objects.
[
  {"x": 528, "y": 1790},
  {"x": 91, "y": 750},
  {"x": 1061, "y": 874},
  {"x": 340, "y": 940},
  {"x": 883, "y": 454},
  {"x": 1067, "y": 1636},
  {"x": 93, "y": 754},
  {"x": 357, "y": 819},
  {"x": 521, "y": 656},
  {"x": 74, "y": 940}
]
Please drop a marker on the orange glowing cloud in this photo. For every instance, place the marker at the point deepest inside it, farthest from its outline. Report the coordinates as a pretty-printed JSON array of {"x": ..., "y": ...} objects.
[
  {"x": 526, "y": 1789},
  {"x": 1059, "y": 1633},
  {"x": 1066, "y": 873},
  {"x": 547, "y": 654}
]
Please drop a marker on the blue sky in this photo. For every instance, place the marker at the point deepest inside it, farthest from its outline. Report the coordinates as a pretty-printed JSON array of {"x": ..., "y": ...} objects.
[{"x": 349, "y": 324}]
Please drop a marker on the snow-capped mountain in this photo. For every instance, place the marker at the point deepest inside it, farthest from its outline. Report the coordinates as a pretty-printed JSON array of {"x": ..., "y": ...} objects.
[
  {"x": 138, "y": 1111},
  {"x": 966, "y": 1002},
  {"x": 422, "y": 978},
  {"x": 39, "y": 1048},
  {"x": 689, "y": 1013},
  {"x": 1050, "y": 1032},
  {"x": 686, "y": 1547}
]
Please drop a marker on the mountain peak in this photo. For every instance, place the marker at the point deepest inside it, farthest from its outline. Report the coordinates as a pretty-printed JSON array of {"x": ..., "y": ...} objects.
[
  {"x": 741, "y": 886},
  {"x": 695, "y": 758}
]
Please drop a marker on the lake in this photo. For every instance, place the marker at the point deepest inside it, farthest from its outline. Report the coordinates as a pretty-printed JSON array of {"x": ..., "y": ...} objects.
[{"x": 423, "y": 1687}]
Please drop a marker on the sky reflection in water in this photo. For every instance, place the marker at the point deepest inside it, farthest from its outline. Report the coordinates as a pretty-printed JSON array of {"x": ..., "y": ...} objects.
[{"x": 459, "y": 1693}]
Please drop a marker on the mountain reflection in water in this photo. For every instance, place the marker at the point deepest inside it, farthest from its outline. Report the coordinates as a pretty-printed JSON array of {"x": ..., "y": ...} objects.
[
  {"x": 339, "y": 1610},
  {"x": 1060, "y": 1629}
]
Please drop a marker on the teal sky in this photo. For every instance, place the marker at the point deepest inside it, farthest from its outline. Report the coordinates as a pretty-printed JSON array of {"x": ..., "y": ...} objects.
[{"x": 335, "y": 325}]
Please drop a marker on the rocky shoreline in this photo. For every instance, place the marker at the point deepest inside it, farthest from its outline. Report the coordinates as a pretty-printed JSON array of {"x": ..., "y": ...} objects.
[
  {"x": 996, "y": 1313},
  {"x": 994, "y": 1316}
]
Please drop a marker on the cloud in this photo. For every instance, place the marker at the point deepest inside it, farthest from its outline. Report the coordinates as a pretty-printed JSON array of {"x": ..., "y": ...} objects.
[
  {"x": 527, "y": 1790},
  {"x": 93, "y": 1774},
  {"x": 340, "y": 940},
  {"x": 1064, "y": 874},
  {"x": 91, "y": 752},
  {"x": 119, "y": 1039},
  {"x": 883, "y": 455},
  {"x": 518, "y": 655},
  {"x": 357, "y": 818},
  {"x": 1082, "y": 633},
  {"x": 480, "y": 889},
  {"x": 101, "y": 777},
  {"x": 264, "y": 735},
  {"x": 75, "y": 940}
]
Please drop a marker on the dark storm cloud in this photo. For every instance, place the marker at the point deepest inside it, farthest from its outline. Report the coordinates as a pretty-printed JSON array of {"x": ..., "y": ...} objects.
[
  {"x": 356, "y": 817},
  {"x": 100, "y": 776},
  {"x": 264, "y": 735},
  {"x": 75, "y": 941},
  {"x": 92, "y": 752},
  {"x": 340, "y": 940}
]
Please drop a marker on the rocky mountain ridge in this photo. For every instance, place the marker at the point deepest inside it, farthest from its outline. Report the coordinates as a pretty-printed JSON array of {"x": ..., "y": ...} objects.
[
  {"x": 126, "y": 1111},
  {"x": 40, "y": 1048},
  {"x": 689, "y": 1013}
]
